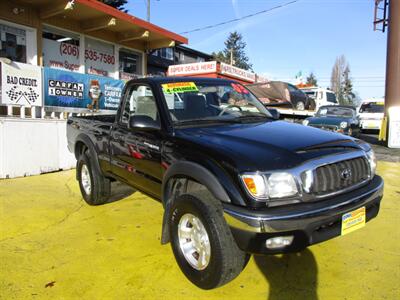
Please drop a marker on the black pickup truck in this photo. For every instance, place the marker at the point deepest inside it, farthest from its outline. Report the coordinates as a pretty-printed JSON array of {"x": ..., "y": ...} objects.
[{"x": 232, "y": 178}]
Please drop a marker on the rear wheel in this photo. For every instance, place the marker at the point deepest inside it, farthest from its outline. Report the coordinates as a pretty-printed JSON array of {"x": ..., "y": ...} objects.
[
  {"x": 95, "y": 188},
  {"x": 202, "y": 242}
]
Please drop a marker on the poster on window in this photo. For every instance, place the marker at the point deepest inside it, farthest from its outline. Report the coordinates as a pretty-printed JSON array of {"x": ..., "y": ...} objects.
[
  {"x": 61, "y": 55},
  {"x": 21, "y": 84},
  {"x": 75, "y": 90},
  {"x": 99, "y": 58}
]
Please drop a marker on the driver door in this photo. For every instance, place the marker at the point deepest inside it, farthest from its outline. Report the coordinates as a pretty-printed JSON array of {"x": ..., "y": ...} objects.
[{"x": 136, "y": 152}]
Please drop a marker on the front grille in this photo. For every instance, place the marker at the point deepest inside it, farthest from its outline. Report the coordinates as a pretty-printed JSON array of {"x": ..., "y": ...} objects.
[
  {"x": 325, "y": 127},
  {"x": 340, "y": 175}
]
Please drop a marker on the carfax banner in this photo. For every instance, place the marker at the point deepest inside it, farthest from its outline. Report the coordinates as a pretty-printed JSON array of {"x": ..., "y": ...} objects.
[
  {"x": 75, "y": 90},
  {"x": 21, "y": 84}
]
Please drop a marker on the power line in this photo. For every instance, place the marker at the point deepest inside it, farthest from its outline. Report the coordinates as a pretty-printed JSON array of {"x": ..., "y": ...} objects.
[{"x": 242, "y": 18}]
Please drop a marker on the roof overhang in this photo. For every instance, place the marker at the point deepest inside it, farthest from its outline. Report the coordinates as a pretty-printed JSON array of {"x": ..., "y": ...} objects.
[{"x": 96, "y": 18}]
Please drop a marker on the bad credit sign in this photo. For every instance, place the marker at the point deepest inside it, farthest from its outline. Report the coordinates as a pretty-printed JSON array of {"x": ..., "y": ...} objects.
[{"x": 194, "y": 68}]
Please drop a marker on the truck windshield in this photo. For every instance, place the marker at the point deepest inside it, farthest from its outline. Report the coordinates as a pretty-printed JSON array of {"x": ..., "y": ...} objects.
[
  {"x": 335, "y": 112},
  {"x": 212, "y": 102},
  {"x": 372, "y": 108}
]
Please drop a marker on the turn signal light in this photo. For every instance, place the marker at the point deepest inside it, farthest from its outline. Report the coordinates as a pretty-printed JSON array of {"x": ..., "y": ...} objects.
[{"x": 251, "y": 185}]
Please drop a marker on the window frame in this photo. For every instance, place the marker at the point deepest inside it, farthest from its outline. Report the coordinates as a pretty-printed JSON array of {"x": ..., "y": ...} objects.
[{"x": 127, "y": 94}]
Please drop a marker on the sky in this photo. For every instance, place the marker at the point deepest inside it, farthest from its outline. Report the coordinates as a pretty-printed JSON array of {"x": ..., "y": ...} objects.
[{"x": 305, "y": 36}]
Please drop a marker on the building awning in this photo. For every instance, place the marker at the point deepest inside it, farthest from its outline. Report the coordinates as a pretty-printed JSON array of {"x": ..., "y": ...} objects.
[{"x": 100, "y": 20}]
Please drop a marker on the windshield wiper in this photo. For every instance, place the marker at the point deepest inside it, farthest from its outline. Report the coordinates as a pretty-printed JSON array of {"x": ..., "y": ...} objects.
[{"x": 252, "y": 117}]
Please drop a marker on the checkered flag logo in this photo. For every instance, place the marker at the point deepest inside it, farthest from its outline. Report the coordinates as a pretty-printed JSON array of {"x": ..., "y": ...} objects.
[{"x": 16, "y": 95}]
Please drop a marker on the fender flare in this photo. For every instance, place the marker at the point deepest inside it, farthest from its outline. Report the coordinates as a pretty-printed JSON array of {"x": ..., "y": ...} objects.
[
  {"x": 83, "y": 138},
  {"x": 198, "y": 173},
  {"x": 195, "y": 172}
]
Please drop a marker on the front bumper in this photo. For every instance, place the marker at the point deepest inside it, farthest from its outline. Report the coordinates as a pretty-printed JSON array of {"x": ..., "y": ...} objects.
[
  {"x": 371, "y": 124},
  {"x": 309, "y": 223}
]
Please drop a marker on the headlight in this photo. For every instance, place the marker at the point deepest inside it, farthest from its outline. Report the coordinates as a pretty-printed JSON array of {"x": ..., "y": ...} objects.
[
  {"x": 343, "y": 125},
  {"x": 275, "y": 185},
  {"x": 305, "y": 122},
  {"x": 372, "y": 161},
  {"x": 281, "y": 185}
]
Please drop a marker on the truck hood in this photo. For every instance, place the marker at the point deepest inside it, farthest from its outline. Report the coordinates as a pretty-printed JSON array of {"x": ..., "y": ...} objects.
[{"x": 265, "y": 146}]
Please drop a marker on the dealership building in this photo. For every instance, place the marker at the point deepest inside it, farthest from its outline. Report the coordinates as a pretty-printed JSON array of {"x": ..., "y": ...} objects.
[
  {"x": 51, "y": 54},
  {"x": 82, "y": 36}
]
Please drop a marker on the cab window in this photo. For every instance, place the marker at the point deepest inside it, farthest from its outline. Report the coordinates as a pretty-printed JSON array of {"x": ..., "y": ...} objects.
[{"x": 140, "y": 101}]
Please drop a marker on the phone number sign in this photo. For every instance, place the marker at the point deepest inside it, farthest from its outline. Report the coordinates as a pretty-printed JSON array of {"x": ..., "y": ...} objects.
[{"x": 99, "y": 57}]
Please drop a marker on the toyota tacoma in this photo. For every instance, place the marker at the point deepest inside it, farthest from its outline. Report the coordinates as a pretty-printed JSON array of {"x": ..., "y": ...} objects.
[{"x": 232, "y": 178}]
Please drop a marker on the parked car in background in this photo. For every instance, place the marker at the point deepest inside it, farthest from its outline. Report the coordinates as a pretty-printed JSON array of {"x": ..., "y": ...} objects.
[
  {"x": 319, "y": 97},
  {"x": 337, "y": 118},
  {"x": 282, "y": 94},
  {"x": 371, "y": 114}
]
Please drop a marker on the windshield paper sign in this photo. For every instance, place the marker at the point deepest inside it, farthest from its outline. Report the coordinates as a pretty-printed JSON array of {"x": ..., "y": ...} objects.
[
  {"x": 179, "y": 87},
  {"x": 76, "y": 90}
]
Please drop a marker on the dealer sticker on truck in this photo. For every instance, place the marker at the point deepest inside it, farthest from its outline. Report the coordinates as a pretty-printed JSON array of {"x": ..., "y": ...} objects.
[
  {"x": 179, "y": 87},
  {"x": 353, "y": 220}
]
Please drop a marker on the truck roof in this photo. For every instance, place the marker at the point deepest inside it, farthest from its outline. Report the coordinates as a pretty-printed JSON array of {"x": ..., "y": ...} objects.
[{"x": 167, "y": 79}]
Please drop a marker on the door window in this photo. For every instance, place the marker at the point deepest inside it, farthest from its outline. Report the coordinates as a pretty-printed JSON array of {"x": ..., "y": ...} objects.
[{"x": 140, "y": 101}]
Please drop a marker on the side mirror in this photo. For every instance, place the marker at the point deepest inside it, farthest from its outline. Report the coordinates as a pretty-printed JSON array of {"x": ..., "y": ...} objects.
[
  {"x": 143, "y": 122},
  {"x": 274, "y": 112}
]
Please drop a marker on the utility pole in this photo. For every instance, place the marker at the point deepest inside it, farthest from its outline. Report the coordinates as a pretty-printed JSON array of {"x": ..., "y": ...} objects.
[
  {"x": 392, "y": 85},
  {"x": 148, "y": 10},
  {"x": 387, "y": 15}
]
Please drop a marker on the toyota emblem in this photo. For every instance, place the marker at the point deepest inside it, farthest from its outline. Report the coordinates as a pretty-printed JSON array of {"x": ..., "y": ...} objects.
[{"x": 345, "y": 174}]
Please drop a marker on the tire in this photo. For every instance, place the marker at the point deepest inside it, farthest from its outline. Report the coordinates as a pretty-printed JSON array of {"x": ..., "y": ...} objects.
[
  {"x": 312, "y": 105},
  {"x": 225, "y": 260},
  {"x": 95, "y": 188},
  {"x": 351, "y": 133},
  {"x": 300, "y": 105}
]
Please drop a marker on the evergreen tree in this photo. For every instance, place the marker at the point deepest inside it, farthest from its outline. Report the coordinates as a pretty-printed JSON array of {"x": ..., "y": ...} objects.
[
  {"x": 118, "y": 4},
  {"x": 234, "y": 52},
  {"x": 311, "y": 79}
]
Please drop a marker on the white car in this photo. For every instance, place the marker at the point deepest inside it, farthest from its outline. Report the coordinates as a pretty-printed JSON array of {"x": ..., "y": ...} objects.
[
  {"x": 371, "y": 114},
  {"x": 320, "y": 96}
]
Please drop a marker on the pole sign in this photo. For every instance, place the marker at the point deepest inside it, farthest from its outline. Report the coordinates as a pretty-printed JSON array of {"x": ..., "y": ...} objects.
[
  {"x": 237, "y": 73},
  {"x": 21, "y": 84},
  {"x": 192, "y": 69},
  {"x": 75, "y": 90},
  {"x": 394, "y": 127}
]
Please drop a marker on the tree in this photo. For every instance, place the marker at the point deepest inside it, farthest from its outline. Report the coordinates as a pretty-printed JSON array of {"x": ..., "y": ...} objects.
[
  {"x": 118, "y": 4},
  {"x": 348, "y": 95},
  {"x": 341, "y": 83},
  {"x": 234, "y": 52},
  {"x": 311, "y": 79}
]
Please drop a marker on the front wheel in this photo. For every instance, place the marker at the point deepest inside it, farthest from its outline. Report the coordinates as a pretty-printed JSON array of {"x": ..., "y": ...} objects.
[{"x": 202, "y": 242}]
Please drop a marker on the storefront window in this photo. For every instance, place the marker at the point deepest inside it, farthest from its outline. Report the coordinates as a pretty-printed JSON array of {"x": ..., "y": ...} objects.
[
  {"x": 60, "y": 50},
  {"x": 99, "y": 57},
  {"x": 13, "y": 43},
  {"x": 130, "y": 64}
]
